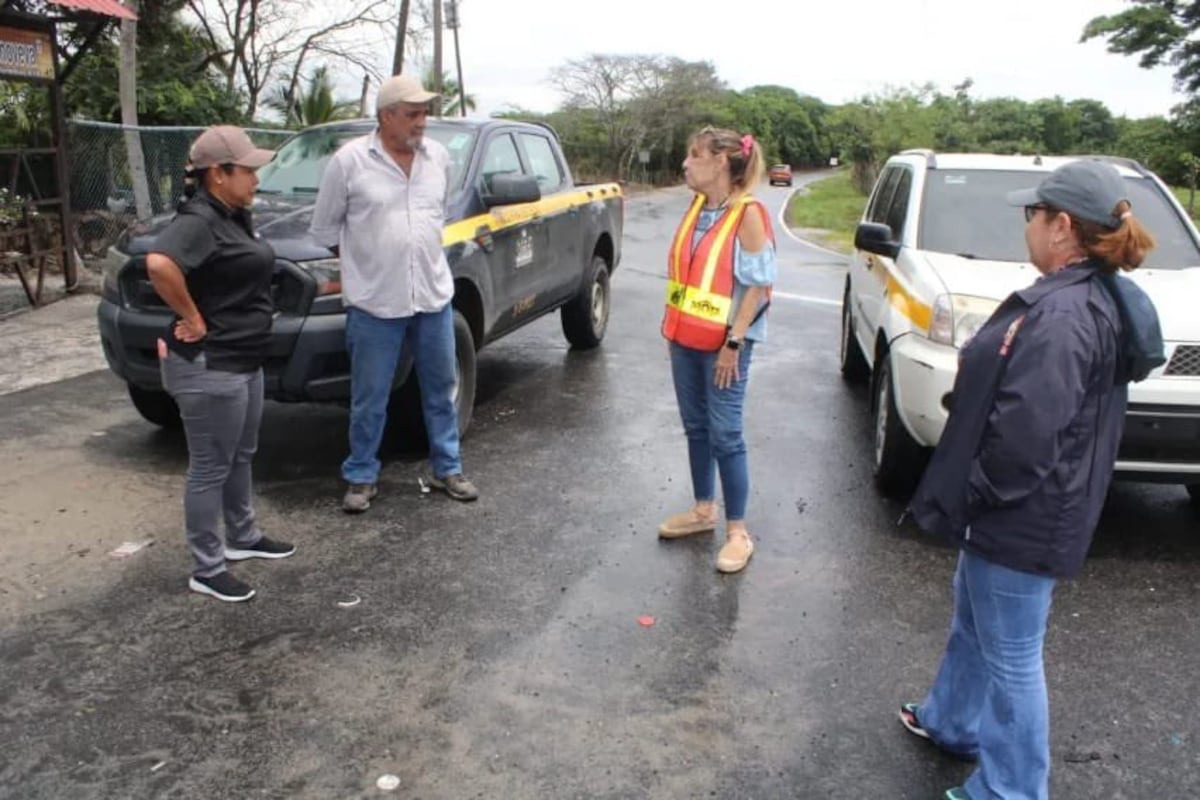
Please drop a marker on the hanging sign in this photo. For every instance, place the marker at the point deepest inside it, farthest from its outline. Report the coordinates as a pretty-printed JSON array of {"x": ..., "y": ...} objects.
[{"x": 26, "y": 54}]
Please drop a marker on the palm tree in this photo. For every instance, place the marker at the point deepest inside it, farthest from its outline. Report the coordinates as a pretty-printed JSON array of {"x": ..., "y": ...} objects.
[
  {"x": 313, "y": 104},
  {"x": 452, "y": 96}
]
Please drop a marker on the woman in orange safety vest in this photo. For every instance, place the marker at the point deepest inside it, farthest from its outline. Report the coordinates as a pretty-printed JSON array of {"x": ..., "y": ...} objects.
[{"x": 721, "y": 267}]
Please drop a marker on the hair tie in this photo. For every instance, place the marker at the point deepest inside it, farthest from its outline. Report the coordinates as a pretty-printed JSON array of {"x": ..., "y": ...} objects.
[{"x": 747, "y": 144}]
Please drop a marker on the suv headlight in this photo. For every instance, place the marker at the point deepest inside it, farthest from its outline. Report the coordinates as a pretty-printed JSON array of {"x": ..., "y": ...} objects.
[
  {"x": 956, "y": 317},
  {"x": 328, "y": 274}
]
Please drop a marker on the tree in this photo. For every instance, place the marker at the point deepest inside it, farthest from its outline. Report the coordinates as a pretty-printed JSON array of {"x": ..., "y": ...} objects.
[
  {"x": 129, "y": 115},
  {"x": 1160, "y": 31},
  {"x": 450, "y": 107},
  {"x": 313, "y": 104},
  {"x": 255, "y": 42}
]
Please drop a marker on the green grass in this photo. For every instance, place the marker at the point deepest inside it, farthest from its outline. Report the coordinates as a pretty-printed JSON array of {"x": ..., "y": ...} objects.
[
  {"x": 829, "y": 210},
  {"x": 1182, "y": 193}
]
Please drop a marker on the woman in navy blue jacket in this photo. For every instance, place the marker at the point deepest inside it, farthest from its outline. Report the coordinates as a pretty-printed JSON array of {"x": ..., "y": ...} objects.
[{"x": 1019, "y": 476}]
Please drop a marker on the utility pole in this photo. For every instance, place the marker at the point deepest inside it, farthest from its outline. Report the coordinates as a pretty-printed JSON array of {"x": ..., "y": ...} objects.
[
  {"x": 401, "y": 34},
  {"x": 437, "y": 57},
  {"x": 452, "y": 21}
]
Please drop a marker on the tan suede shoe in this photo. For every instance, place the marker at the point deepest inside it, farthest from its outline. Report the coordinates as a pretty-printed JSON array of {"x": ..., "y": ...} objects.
[
  {"x": 686, "y": 524},
  {"x": 735, "y": 555}
]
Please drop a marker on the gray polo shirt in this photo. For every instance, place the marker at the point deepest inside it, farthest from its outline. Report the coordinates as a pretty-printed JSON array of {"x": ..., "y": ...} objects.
[{"x": 388, "y": 227}]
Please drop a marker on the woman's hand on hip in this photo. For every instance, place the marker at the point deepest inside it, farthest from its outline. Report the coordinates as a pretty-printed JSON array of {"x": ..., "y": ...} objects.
[
  {"x": 191, "y": 330},
  {"x": 725, "y": 374}
]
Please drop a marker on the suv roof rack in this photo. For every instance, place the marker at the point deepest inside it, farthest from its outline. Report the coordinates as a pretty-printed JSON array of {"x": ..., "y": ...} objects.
[{"x": 930, "y": 155}]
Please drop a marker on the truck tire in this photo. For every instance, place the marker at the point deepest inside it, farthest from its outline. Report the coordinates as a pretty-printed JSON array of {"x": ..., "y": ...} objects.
[
  {"x": 585, "y": 316},
  {"x": 1194, "y": 493},
  {"x": 855, "y": 368},
  {"x": 406, "y": 420},
  {"x": 155, "y": 406},
  {"x": 898, "y": 459}
]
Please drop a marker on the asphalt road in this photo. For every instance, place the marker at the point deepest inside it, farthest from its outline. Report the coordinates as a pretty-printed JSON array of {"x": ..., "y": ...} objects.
[{"x": 497, "y": 652}]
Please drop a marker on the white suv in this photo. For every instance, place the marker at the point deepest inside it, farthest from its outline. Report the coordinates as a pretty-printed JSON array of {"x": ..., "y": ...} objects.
[{"x": 936, "y": 252}]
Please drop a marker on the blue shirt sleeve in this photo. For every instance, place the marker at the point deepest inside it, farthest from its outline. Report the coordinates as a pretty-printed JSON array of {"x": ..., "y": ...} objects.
[{"x": 755, "y": 269}]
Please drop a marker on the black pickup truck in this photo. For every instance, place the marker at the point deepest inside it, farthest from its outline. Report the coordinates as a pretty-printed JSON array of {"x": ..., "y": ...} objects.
[{"x": 521, "y": 237}]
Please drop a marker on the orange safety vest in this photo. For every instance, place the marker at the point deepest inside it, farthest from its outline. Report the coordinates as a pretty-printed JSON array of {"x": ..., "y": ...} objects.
[{"x": 700, "y": 280}]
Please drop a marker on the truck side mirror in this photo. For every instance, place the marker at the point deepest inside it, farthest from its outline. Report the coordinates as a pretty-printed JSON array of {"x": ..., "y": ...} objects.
[
  {"x": 507, "y": 188},
  {"x": 875, "y": 237}
]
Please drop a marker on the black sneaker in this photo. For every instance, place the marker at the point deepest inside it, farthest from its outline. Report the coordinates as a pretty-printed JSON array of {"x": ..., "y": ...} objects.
[
  {"x": 908, "y": 718},
  {"x": 263, "y": 548},
  {"x": 222, "y": 586}
]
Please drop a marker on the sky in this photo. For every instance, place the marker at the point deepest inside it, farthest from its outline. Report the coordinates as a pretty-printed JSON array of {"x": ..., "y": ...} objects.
[{"x": 836, "y": 51}]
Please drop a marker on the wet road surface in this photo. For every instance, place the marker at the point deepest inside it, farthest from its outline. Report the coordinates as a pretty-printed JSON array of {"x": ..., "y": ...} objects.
[{"x": 496, "y": 651}]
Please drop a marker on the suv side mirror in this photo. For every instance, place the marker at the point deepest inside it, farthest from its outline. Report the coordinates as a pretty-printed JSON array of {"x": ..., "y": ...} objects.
[
  {"x": 508, "y": 188},
  {"x": 875, "y": 237}
]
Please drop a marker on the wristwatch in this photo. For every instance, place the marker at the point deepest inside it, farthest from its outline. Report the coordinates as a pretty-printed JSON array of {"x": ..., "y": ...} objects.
[{"x": 733, "y": 343}]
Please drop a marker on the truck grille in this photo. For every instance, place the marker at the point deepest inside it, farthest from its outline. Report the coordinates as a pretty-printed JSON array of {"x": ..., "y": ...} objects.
[
  {"x": 1185, "y": 361},
  {"x": 288, "y": 290}
]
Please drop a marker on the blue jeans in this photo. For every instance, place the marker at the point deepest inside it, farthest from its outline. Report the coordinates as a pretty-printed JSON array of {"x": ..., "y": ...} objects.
[
  {"x": 989, "y": 697},
  {"x": 712, "y": 422},
  {"x": 375, "y": 346}
]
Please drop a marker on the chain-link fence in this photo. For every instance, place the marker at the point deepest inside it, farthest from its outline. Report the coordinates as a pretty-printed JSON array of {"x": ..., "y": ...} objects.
[{"x": 101, "y": 183}]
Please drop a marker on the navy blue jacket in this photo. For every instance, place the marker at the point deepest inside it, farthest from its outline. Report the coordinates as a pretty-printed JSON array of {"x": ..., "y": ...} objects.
[{"x": 1022, "y": 468}]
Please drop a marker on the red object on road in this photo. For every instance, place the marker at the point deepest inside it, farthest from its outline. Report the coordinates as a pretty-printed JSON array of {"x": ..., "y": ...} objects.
[{"x": 645, "y": 621}]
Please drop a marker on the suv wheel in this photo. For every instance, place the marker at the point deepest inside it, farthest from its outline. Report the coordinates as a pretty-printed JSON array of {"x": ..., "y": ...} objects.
[
  {"x": 585, "y": 317},
  {"x": 406, "y": 420},
  {"x": 155, "y": 406},
  {"x": 1194, "y": 493},
  {"x": 898, "y": 459},
  {"x": 854, "y": 364}
]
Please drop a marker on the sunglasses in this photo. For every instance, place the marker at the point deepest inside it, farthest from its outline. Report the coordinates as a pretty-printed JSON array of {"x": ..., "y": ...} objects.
[{"x": 1031, "y": 211}]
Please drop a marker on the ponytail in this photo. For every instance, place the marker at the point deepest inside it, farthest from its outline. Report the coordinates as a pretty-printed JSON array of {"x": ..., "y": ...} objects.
[{"x": 1124, "y": 248}]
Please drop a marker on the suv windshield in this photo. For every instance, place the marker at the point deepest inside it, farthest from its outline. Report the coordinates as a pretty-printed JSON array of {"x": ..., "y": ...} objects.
[
  {"x": 964, "y": 212},
  {"x": 297, "y": 167}
]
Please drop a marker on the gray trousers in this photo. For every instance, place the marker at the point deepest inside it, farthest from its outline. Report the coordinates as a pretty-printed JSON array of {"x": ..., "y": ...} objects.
[{"x": 221, "y": 412}]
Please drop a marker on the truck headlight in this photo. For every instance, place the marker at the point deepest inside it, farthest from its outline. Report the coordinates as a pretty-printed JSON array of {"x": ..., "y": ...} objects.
[
  {"x": 956, "y": 318},
  {"x": 327, "y": 272},
  {"x": 110, "y": 274}
]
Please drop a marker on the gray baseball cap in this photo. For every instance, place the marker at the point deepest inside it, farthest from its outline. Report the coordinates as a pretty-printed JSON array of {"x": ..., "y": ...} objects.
[
  {"x": 227, "y": 144},
  {"x": 1087, "y": 189}
]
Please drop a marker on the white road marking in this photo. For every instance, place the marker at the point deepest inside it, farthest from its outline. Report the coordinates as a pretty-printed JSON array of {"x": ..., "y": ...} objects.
[{"x": 806, "y": 298}]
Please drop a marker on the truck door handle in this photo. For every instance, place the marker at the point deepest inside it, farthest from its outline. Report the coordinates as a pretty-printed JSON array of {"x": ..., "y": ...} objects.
[{"x": 483, "y": 237}]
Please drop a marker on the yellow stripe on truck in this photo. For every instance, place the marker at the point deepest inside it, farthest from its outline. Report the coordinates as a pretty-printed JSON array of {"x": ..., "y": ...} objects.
[
  {"x": 905, "y": 302},
  {"x": 509, "y": 216}
]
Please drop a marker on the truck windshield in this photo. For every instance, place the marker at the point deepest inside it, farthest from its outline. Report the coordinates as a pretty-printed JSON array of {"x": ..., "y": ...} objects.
[
  {"x": 964, "y": 212},
  {"x": 297, "y": 167}
]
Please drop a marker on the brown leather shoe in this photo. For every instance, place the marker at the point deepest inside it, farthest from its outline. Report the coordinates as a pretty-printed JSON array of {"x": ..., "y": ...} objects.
[
  {"x": 457, "y": 486},
  {"x": 686, "y": 524},
  {"x": 735, "y": 555}
]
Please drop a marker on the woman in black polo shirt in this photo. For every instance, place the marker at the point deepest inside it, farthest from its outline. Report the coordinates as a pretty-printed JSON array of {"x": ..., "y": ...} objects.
[{"x": 215, "y": 275}]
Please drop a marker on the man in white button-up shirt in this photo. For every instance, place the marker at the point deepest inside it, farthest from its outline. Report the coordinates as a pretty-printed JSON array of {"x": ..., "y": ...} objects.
[{"x": 381, "y": 207}]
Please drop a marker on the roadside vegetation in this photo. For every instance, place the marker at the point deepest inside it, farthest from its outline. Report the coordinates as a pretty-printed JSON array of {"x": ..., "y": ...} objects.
[{"x": 826, "y": 212}]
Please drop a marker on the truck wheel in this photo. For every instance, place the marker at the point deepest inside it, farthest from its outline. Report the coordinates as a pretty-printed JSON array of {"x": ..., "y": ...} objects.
[
  {"x": 898, "y": 459},
  {"x": 155, "y": 406},
  {"x": 1194, "y": 493},
  {"x": 854, "y": 364},
  {"x": 585, "y": 317},
  {"x": 406, "y": 420}
]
